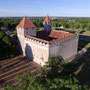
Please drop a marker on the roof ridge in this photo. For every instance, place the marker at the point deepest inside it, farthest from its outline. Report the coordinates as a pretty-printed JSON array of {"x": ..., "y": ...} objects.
[
  {"x": 47, "y": 19},
  {"x": 26, "y": 23}
]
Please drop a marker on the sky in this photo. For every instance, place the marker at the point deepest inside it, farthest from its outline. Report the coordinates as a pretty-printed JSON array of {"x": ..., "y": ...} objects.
[{"x": 62, "y": 8}]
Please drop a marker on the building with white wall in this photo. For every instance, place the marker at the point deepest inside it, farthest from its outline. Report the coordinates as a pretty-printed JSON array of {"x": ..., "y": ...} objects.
[{"x": 39, "y": 45}]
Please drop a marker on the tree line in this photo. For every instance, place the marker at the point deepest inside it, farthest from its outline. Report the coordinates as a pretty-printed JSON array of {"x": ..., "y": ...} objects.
[
  {"x": 79, "y": 23},
  {"x": 10, "y": 24},
  {"x": 74, "y": 23}
]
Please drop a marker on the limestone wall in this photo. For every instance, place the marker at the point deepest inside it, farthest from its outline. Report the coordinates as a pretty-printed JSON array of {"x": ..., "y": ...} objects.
[
  {"x": 20, "y": 31},
  {"x": 47, "y": 26},
  {"x": 30, "y": 31},
  {"x": 21, "y": 42},
  {"x": 65, "y": 48},
  {"x": 34, "y": 50}
]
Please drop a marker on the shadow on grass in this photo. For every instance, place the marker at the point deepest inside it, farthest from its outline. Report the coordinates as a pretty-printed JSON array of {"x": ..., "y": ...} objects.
[
  {"x": 81, "y": 68},
  {"x": 82, "y": 44}
]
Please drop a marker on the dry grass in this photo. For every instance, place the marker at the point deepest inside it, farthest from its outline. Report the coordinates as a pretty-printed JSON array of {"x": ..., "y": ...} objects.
[{"x": 87, "y": 33}]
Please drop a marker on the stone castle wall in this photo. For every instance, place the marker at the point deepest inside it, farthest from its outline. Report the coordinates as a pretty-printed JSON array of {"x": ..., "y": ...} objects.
[
  {"x": 30, "y": 31},
  {"x": 65, "y": 48},
  {"x": 27, "y": 31},
  {"x": 39, "y": 51},
  {"x": 34, "y": 50}
]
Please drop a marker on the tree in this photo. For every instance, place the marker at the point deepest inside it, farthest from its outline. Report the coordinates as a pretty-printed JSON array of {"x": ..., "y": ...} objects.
[
  {"x": 67, "y": 83},
  {"x": 56, "y": 81},
  {"x": 8, "y": 47},
  {"x": 88, "y": 28},
  {"x": 54, "y": 64},
  {"x": 67, "y": 26}
]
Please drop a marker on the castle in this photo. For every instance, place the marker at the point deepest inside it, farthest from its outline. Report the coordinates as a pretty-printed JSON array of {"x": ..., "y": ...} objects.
[{"x": 39, "y": 45}]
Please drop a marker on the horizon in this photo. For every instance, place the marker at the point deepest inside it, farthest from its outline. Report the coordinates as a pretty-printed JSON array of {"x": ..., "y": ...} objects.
[
  {"x": 42, "y": 8},
  {"x": 44, "y": 16}
]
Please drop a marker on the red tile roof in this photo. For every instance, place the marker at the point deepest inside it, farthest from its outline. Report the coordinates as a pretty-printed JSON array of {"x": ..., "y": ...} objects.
[
  {"x": 47, "y": 20},
  {"x": 54, "y": 34},
  {"x": 60, "y": 36},
  {"x": 26, "y": 23},
  {"x": 38, "y": 39}
]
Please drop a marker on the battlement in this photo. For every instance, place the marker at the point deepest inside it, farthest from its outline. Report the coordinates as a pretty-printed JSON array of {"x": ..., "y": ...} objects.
[
  {"x": 60, "y": 42},
  {"x": 38, "y": 41},
  {"x": 49, "y": 43}
]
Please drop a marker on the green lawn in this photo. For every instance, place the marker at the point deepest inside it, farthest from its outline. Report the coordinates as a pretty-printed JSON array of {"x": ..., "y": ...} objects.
[
  {"x": 82, "y": 68},
  {"x": 80, "y": 31},
  {"x": 86, "y": 33},
  {"x": 82, "y": 65},
  {"x": 84, "y": 44}
]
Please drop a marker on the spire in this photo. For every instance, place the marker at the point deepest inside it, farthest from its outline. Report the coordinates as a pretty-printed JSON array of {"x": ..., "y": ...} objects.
[
  {"x": 47, "y": 20},
  {"x": 25, "y": 23},
  {"x": 25, "y": 15}
]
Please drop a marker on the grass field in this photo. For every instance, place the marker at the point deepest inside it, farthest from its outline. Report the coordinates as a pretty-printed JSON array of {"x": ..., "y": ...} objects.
[
  {"x": 87, "y": 33},
  {"x": 82, "y": 65},
  {"x": 75, "y": 31},
  {"x": 84, "y": 44},
  {"x": 82, "y": 68}
]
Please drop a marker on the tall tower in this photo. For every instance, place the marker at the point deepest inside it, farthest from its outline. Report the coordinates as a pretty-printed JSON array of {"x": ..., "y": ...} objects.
[
  {"x": 26, "y": 27},
  {"x": 47, "y": 25}
]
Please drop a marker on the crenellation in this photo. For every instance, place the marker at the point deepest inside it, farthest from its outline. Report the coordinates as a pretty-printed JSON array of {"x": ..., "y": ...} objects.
[
  {"x": 36, "y": 41},
  {"x": 63, "y": 41}
]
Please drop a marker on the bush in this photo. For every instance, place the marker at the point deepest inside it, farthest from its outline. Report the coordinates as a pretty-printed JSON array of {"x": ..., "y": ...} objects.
[{"x": 8, "y": 47}]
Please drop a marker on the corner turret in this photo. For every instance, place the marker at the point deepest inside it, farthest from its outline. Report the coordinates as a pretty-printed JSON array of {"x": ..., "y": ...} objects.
[
  {"x": 26, "y": 27},
  {"x": 47, "y": 25}
]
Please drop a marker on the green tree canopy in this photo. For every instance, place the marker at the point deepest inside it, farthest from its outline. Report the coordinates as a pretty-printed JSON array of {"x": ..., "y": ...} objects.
[
  {"x": 8, "y": 47},
  {"x": 49, "y": 80}
]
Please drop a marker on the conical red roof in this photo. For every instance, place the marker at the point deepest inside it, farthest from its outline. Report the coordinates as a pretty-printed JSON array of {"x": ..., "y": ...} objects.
[
  {"x": 47, "y": 20},
  {"x": 25, "y": 23}
]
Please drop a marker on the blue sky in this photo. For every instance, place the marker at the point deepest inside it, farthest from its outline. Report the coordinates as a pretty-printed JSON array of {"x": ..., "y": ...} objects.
[{"x": 78, "y": 8}]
